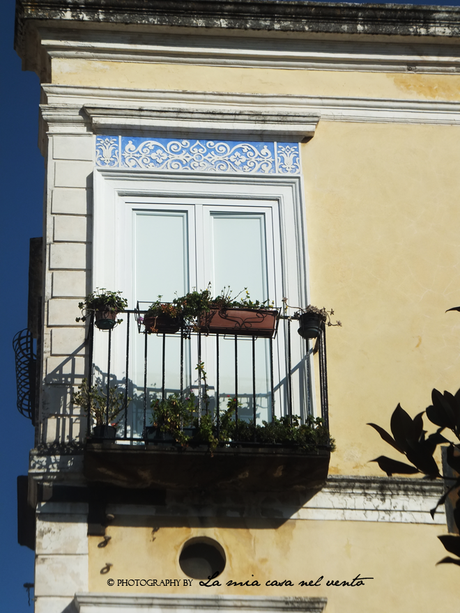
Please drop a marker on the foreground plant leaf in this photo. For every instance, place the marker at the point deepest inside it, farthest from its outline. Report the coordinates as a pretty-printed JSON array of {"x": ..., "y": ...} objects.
[
  {"x": 451, "y": 542},
  {"x": 449, "y": 560},
  {"x": 391, "y": 467},
  {"x": 386, "y": 437}
]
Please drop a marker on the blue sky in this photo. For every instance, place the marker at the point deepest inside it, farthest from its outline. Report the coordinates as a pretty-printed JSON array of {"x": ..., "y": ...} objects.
[{"x": 22, "y": 172}]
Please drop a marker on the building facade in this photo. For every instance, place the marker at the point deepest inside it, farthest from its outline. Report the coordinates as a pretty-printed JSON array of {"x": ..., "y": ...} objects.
[{"x": 309, "y": 152}]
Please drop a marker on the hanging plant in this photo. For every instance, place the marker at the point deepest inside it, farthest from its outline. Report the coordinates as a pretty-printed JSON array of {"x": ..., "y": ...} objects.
[{"x": 105, "y": 305}]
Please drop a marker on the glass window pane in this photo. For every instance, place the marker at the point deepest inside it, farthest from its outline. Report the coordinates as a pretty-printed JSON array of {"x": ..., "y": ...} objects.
[
  {"x": 161, "y": 254},
  {"x": 239, "y": 253}
]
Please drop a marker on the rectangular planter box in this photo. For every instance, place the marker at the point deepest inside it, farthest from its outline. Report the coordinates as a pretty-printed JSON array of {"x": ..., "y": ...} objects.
[
  {"x": 248, "y": 322},
  {"x": 161, "y": 324}
]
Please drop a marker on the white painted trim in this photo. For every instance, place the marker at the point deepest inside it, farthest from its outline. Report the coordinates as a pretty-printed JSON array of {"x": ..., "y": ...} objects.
[
  {"x": 377, "y": 499},
  {"x": 276, "y": 51},
  {"x": 123, "y": 603},
  {"x": 266, "y": 126},
  {"x": 63, "y": 111}
]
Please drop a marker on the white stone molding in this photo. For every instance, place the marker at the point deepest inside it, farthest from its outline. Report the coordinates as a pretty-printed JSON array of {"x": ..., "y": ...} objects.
[
  {"x": 377, "y": 499},
  {"x": 394, "y": 500},
  {"x": 123, "y": 603},
  {"x": 186, "y": 122},
  {"x": 120, "y": 109},
  {"x": 275, "y": 50}
]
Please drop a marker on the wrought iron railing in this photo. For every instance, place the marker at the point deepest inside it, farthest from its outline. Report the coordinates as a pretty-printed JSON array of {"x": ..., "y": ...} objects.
[
  {"x": 264, "y": 377},
  {"x": 25, "y": 359}
]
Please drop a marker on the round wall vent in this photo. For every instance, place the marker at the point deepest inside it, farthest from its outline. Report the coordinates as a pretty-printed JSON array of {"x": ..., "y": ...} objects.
[{"x": 202, "y": 557}]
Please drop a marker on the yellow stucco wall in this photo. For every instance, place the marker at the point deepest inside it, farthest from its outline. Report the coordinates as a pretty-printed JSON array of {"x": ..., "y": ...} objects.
[
  {"x": 400, "y": 557},
  {"x": 382, "y": 214},
  {"x": 254, "y": 80},
  {"x": 382, "y": 220}
]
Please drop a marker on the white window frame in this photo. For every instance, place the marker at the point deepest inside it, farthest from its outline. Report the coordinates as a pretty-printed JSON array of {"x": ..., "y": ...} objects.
[{"x": 113, "y": 188}]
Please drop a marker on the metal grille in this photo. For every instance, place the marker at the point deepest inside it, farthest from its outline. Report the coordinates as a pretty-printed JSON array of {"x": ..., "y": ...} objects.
[
  {"x": 107, "y": 374},
  {"x": 25, "y": 372}
]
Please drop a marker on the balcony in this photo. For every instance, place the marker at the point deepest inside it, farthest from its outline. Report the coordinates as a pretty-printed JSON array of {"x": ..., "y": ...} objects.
[{"x": 236, "y": 382}]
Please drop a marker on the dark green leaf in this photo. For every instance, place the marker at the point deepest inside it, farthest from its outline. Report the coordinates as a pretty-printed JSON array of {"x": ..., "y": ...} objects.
[
  {"x": 436, "y": 439},
  {"x": 386, "y": 437},
  {"x": 446, "y": 408},
  {"x": 401, "y": 427},
  {"x": 449, "y": 560},
  {"x": 451, "y": 542},
  {"x": 424, "y": 461},
  {"x": 390, "y": 467},
  {"x": 436, "y": 416},
  {"x": 417, "y": 427}
]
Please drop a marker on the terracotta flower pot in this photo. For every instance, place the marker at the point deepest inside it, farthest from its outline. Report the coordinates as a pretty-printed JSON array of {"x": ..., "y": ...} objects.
[{"x": 248, "y": 322}]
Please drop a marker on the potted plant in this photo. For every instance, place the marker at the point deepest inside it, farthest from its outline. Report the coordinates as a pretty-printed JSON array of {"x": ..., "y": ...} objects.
[
  {"x": 105, "y": 305},
  {"x": 182, "y": 311},
  {"x": 163, "y": 317},
  {"x": 239, "y": 315},
  {"x": 223, "y": 314},
  {"x": 172, "y": 419},
  {"x": 104, "y": 413},
  {"x": 285, "y": 431},
  {"x": 312, "y": 320}
]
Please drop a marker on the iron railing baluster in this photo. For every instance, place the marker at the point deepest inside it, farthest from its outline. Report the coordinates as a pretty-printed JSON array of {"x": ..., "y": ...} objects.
[{"x": 284, "y": 387}]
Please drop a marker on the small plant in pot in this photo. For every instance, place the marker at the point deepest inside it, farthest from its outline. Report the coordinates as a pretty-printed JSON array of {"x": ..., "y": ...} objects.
[
  {"x": 163, "y": 317},
  {"x": 104, "y": 414},
  {"x": 239, "y": 315},
  {"x": 105, "y": 305},
  {"x": 226, "y": 313},
  {"x": 311, "y": 319},
  {"x": 199, "y": 311},
  {"x": 172, "y": 419},
  {"x": 285, "y": 431}
]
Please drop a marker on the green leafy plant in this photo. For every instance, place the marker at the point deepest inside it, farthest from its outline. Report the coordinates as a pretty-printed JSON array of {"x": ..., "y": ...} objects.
[
  {"x": 102, "y": 299},
  {"x": 285, "y": 431},
  {"x": 190, "y": 307},
  {"x": 409, "y": 438},
  {"x": 94, "y": 397},
  {"x": 323, "y": 313},
  {"x": 173, "y": 414}
]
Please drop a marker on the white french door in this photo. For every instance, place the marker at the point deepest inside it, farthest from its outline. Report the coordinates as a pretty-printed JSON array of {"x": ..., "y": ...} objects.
[{"x": 179, "y": 244}]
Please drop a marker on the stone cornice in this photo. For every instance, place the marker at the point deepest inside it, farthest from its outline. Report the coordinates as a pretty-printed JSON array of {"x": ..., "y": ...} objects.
[
  {"x": 252, "y": 15},
  {"x": 104, "y": 29},
  {"x": 293, "y": 52},
  {"x": 293, "y": 114}
]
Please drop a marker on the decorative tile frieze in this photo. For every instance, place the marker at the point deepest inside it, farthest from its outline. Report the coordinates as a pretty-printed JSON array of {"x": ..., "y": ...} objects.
[{"x": 193, "y": 155}]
